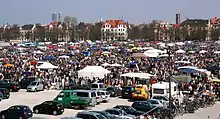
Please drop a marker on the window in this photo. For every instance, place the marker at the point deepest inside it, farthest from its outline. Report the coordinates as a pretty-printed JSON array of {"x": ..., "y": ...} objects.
[
  {"x": 158, "y": 91},
  {"x": 154, "y": 102},
  {"x": 83, "y": 116},
  {"x": 94, "y": 86},
  {"x": 67, "y": 94},
  {"x": 100, "y": 117},
  {"x": 93, "y": 94},
  {"x": 137, "y": 91},
  {"x": 61, "y": 94},
  {"x": 174, "y": 88},
  {"x": 101, "y": 86},
  {"x": 82, "y": 94}
]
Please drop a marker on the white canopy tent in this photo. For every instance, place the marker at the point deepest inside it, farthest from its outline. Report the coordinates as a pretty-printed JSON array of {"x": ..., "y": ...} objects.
[
  {"x": 64, "y": 57},
  {"x": 93, "y": 72},
  {"x": 139, "y": 75},
  {"x": 38, "y": 52},
  {"x": 180, "y": 51},
  {"x": 106, "y": 64},
  {"x": 217, "y": 52},
  {"x": 202, "y": 51},
  {"x": 184, "y": 62},
  {"x": 47, "y": 65},
  {"x": 116, "y": 65}
]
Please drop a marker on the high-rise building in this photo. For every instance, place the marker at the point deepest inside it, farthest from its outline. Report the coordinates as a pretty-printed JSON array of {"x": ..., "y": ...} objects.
[
  {"x": 59, "y": 17},
  {"x": 178, "y": 19},
  {"x": 54, "y": 16}
]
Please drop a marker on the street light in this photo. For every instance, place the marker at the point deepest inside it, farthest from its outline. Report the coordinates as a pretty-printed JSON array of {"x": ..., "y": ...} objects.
[{"x": 170, "y": 98}]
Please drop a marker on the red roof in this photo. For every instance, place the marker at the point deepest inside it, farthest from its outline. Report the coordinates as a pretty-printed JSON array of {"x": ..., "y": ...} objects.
[{"x": 113, "y": 23}]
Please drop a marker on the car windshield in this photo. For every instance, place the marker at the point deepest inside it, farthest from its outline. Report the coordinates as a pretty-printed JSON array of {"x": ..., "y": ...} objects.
[
  {"x": 102, "y": 93},
  {"x": 33, "y": 84},
  {"x": 138, "y": 91},
  {"x": 61, "y": 94},
  {"x": 158, "y": 91},
  {"x": 94, "y": 86}
]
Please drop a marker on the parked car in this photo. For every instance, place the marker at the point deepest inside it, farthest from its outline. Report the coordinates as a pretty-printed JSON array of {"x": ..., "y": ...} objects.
[
  {"x": 155, "y": 102},
  {"x": 105, "y": 96},
  {"x": 119, "y": 113},
  {"x": 74, "y": 99},
  {"x": 36, "y": 86},
  {"x": 98, "y": 96},
  {"x": 49, "y": 107},
  {"x": 16, "y": 112},
  {"x": 114, "y": 91},
  {"x": 90, "y": 115},
  {"x": 10, "y": 85},
  {"x": 127, "y": 91},
  {"x": 5, "y": 93},
  {"x": 162, "y": 99},
  {"x": 97, "y": 86},
  {"x": 129, "y": 110},
  {"x": 76, "y": 87},
  {"x": 105, "y": 114},
  {"x": 25, "y": 82},
  {"x": 143, "y": 106},
  {"x": 1, "y": 97}
]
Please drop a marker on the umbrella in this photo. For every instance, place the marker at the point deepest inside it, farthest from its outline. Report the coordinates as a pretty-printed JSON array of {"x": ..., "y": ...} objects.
[
  {"x": 49, "y": 58},
  {"x": 9, "y": 65}
]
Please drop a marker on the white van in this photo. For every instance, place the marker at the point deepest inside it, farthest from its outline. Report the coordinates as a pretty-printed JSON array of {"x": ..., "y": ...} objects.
[
  {"x": 36, "y": 86},
  {"x": 162, "y": 89},
  {"x": 98, "y": 86}
]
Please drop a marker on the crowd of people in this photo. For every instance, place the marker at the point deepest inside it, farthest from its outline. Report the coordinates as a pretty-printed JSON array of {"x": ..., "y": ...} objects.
[{"x": 18, "y": 62}]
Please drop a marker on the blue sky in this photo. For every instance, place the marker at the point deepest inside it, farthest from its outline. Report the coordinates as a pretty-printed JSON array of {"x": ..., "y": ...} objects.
[{"x": 134, "y": 11}]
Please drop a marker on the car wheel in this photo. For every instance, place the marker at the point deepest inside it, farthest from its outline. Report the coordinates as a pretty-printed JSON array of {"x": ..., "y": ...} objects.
[
  {"x": 36, "y": 111},
  {"x": 3, "y": 117},
  {"x": 54, "y": 112},
  {"x": 35, "y": 90},
  {"x": 20, "y": 117}
]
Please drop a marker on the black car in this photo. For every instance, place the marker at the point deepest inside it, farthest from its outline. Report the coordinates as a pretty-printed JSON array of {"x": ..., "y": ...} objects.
[
  {"x": 76, "y": 87},
  {"x": 16, "y": 112},
  {"x": 24, "y": 83},
  {"x": 10, "y": 85},
  {"x": 105, "y": 114},
  {"x": 49, "y": 107},
  {"x": 129, "y": 110},
  {"x": 127, "y": 91},
  {"x": 114, "y": 91},
  {"x": 5, "y": 93}
]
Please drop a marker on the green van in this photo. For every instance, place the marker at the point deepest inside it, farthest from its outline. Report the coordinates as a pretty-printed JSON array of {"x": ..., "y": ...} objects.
[{"x": 69, "y": 99}]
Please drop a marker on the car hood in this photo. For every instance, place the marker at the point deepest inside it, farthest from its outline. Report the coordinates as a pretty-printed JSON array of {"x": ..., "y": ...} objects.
[{"x": 31, "y": 86}]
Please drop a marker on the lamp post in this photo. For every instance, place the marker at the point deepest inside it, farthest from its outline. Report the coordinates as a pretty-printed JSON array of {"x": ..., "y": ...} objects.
[{"x": 169, "y": 73}]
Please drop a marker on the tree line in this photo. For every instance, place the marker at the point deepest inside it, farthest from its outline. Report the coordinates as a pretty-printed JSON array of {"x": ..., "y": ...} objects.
[{"x": 71, "y": 30}]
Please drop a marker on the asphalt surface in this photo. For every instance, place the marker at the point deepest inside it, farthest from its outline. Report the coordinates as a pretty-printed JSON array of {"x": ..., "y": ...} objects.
[{"x": 31, "y": 99}]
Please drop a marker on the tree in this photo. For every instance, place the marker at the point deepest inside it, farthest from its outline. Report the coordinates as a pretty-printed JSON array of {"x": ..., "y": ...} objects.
[
  {"x": 71, "y": 21},
  {"x": 147, "y": 33},
  {"x": 95, "y": 32},
  {"x": 135, "y": 33}
]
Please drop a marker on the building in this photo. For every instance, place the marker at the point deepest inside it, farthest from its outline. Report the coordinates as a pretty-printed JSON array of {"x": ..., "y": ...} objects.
[
  {"x": 161, "y": 30},
  {"x": 54, "y": 16},
  {"x": 178, "y": 20},
  {"x": 114, "y": 30},
  {"x": 59, "y": 17}
]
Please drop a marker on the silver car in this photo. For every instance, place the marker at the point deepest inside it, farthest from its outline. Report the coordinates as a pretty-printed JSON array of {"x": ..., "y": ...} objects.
[{"x": 35, "y": 86}]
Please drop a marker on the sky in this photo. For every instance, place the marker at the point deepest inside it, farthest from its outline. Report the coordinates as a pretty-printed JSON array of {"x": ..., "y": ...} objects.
[{"x": 133, "y": 11}]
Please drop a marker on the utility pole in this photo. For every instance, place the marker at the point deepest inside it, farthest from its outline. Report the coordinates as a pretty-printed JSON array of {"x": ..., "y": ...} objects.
[{"x": 169, "y": 70}]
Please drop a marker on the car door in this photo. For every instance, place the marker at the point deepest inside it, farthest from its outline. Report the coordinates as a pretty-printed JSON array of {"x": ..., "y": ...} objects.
[
  {"x": 44, "y": 107},
  {"x": 10, "y": 113}
]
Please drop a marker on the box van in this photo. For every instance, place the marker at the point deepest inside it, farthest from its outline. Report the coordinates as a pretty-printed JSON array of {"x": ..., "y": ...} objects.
[
  {"x": 162, "y": 89},
  {"x": 98, "y": 86},
  {"x": 69, "y": 99},
  {"x": 36, "y": 86}
]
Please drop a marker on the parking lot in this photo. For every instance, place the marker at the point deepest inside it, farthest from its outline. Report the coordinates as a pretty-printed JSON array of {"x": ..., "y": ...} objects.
[{"x": 31, "y": 99}]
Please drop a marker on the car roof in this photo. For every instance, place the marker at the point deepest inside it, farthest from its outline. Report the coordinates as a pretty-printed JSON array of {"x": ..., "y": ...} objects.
[
  {"x": 122, "y": 106},
  {"x": 114, "y": 109},
  {"x": 87, "y": 112},
  {"x": 152, "y": 100},
  {"x": 19, "y": 106}
]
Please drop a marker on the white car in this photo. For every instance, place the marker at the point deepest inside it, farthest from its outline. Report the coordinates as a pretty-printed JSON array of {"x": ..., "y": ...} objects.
[
  {"x": 105, "y": 96},
  {"x": 98, "y": 96},
  {"x": 163, "y": 99}
]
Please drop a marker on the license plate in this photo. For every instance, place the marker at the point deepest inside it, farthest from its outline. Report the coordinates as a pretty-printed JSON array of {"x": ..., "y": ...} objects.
[
  {"x": 62, "y": 110},
  {"x": 125, "y": 93}
]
